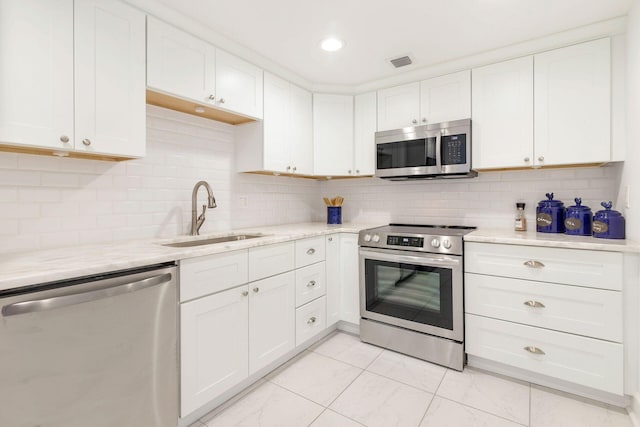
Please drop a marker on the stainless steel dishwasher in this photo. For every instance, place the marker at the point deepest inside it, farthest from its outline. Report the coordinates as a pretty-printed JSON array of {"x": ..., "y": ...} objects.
[{"x": 96, "y": 351}]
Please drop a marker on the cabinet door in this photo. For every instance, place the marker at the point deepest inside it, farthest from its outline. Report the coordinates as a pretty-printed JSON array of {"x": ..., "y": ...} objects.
[
  {"x": 110, "y": 100},
  {"x": 277, "y": 154},
  {"x": 271, "y": 319},
  {"x": 178, "y": 63},
  {"x": 399, "y": 106},
  {"x": 213, "y": 346},
  {"x": 36, "y": 72},
  {"x": 300, "y": 135},
  {"x": 365, "y": 124},
  {"x": 332, "y": 134},
  {"x": 502, "y": 113},
  {"x": 573, "y": 104},
  {"x": 446, "y": 98},
  {"x": 332, "y": 266},
  {"x": 350, "y": 286},
  {"x": 238, "y": 85}
]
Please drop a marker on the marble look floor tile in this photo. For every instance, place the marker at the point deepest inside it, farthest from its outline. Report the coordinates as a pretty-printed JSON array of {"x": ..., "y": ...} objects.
[
  {"x": 197, "y": 424},
  {"x": 377, "y": 401},
  {"x": 316, "y": 377},
  {"x": 348, "y": 348},
  {"x": 332, "y": 419},
  {"x": 505, "y": 398},
  {"x": 447, "y": 413},
  {"x": 204, "y": 420},
  {"x": 409, "y": 370},
  {"x": 557, "y": 409},
  {"x": 267, "y": 406}
]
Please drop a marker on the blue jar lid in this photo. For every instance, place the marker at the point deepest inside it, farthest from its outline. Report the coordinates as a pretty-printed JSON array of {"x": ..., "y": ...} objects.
[
  {"x": 607, "y": 212},
  {"x": 578, "y": 206},
  {"x": 550, "y": 203}
]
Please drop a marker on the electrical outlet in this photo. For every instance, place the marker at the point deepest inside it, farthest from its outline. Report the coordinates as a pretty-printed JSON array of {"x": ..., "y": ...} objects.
[
  {"x": 243, "y": 201},
  {"x": 627, "y": 197}
]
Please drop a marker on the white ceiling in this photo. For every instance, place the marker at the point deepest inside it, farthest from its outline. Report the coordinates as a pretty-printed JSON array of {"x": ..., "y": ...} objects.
[{"x": 432, "y": 31}]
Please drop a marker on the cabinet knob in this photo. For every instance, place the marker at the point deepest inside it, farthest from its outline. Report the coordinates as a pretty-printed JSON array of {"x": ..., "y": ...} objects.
[
  {"x": 311, "y": 321},
  {"x": 534, "y": 350},
  {"x": 212, "y": 97},
  {"x": 526, "y": 159},
  {"x": 349, "y": 171},
  {"x": 221, "y": 100},
  {"x": 64, "y": 138},
  {"x": 288, "y": 168},
  {"x": 541, "y": 159},
  {"x": 357, "y": 171},
  {"x": 311, "y": 251},
  {"x": 534, "y": 304},
  {"x": 256, "y": 289},
  {"x": 245, "y": 293},
  {"x": 414, "y": 121},
  {"x": 533, "y": 264},
  {"x": 295, "y": 168},
  {"x": 311, "y": 284},
  {"x": 86, "y": 142},
  {"x": 331, "y": 239},
  {"x": 424, "y": 120}
]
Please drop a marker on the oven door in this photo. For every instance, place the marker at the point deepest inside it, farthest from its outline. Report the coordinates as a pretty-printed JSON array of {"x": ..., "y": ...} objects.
[{"x": 421, "y": 292}]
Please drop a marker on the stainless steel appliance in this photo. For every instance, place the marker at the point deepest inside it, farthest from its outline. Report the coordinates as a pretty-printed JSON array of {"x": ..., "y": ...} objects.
[
  {"x": 441, "y": 150},
  {"x": 97, "y": 351},
  {"x": 411, "y": 290}
]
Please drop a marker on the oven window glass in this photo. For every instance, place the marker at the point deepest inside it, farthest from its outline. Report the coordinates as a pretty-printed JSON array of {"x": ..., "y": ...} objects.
[
  {"x": 416, "y": 293},
  {"x": 407, "y": 154}
]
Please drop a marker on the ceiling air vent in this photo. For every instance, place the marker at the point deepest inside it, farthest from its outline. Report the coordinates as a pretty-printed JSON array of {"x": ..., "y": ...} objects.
[{"x": 401, "y": 61}]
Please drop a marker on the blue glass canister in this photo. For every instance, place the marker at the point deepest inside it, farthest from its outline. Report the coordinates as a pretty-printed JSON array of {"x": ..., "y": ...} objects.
[
  {"x": 550, "y": 215},
  {"x": 577, "y": 220},
  {"x": 608, "y": 224}
]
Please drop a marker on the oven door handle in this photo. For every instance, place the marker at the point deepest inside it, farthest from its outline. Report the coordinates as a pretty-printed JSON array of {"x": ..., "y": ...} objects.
[{"x": 423, "y": 259}]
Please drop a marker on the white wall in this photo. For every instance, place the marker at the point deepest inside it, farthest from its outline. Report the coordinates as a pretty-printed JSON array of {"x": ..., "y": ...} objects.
[
  {"x": 486, "y": 201},
  {"x": 49, "y": 202}
]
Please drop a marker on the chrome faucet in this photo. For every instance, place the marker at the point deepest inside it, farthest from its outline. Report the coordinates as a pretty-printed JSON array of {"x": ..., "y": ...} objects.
[{"x": 197, "y": 221}]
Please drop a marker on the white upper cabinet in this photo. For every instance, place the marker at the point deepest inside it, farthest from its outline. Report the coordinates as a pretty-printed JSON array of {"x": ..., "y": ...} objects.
[
  {"x": 184, "y": 66},
  {"x": 53, "y": 49},
  {"x": 238, "y": 85},
  {"x": 399, "y": 106},
  {"x": 333, "y": 134},
  {"x": 179, "y": 64},
  {"x": 365, "y": 125},
  {"x": 110, "y": 110},
  {"x": 503, "y": 115},
  {"x": 282, "y": 142},
  {"x": 36, "y": 73},
  {"x": 435, "y": 100},
  {"x": 445, "y": 98},
  {"x": 573, "y": 104}
]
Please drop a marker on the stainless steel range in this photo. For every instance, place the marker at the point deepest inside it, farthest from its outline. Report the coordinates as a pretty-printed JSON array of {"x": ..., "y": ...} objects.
[{"x": 411, "y": 290}]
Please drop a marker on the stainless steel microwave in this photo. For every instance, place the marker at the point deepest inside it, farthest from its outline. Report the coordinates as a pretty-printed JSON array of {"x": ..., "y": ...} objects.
[{"x": 441, "y": 150}]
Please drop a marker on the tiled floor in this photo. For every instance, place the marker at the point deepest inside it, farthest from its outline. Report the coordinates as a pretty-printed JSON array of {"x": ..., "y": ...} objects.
[{"x": 342, "y": 382}]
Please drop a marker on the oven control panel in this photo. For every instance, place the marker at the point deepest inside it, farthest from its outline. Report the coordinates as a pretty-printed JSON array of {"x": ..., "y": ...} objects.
[{"x": 416, "y": 242}]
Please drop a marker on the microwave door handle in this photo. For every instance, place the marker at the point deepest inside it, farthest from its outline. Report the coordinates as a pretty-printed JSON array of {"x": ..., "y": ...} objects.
[{"x": 438, "y": 152}]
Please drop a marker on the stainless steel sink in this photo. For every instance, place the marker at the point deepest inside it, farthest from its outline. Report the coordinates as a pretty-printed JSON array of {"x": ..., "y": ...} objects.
[{"x": 213, "y": 240}]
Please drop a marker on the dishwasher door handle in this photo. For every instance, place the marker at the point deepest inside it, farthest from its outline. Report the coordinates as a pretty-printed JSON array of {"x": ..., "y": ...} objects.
[{"x": 32, "y": 306}]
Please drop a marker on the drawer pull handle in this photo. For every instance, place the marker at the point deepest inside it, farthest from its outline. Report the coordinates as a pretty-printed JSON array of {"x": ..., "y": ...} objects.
[
  {"x": 311, "y": 251},
  {"x": 534, "y": 264},
  {"x": 534, "y": 304},
  {"x": 311, "y": 321},
  {"x": 534, "y": 350},
  {"x": 311, "y": 284}
]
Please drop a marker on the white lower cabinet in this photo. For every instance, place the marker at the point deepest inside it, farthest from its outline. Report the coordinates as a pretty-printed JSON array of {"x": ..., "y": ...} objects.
[
  {"x": 552, "y": 312},
  {"x": 311, "y": 319},
  {"x": 311, "y": 283},
  {"x": 271, "y": 319},
  {"x": 214, "y": 343},
  {"x": 343, "y": 285},
  {"x": 332, "y": 265}
]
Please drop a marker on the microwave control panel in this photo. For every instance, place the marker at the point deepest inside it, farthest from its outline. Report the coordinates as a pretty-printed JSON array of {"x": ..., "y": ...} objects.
[
  {"x": 454, "y": 149},
  {"x": 417, "y": 242}
]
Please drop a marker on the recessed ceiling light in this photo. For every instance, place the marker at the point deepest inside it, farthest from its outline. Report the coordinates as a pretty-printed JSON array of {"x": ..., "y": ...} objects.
[{"x": 331, "y": 44}]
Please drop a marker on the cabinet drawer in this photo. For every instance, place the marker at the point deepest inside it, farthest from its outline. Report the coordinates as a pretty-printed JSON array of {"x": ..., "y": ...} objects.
[
  {"x": 585, "y": 361},
  {"x": 310, "y": 320},
  {"x": 209, "y": 274},
  {"x": 310, "y": 283},
  {"x": 592, "y": 269},
  {"x": 270, "y": 260},
  {"x": 591, "y": 312},
  {"x": 309, "y": 251}
]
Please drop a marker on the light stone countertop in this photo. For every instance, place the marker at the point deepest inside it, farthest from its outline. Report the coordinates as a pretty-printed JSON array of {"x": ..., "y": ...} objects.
[
  {"x": 35, "y": 267},
  {"x": 551, "y": 240}
]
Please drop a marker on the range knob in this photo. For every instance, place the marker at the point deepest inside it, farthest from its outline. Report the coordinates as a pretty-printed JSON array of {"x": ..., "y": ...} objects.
[
  {"x": 435, "y": 243},
  {"x": 446, "y": 244},
  {"x": 375, "y": 238},
  {"x": 367, "y": 237}
]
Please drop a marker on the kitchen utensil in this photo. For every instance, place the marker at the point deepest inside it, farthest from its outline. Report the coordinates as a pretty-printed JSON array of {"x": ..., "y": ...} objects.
[
  {"x": 578, "y": 219},
  {"x": 608, "y": 224}
]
